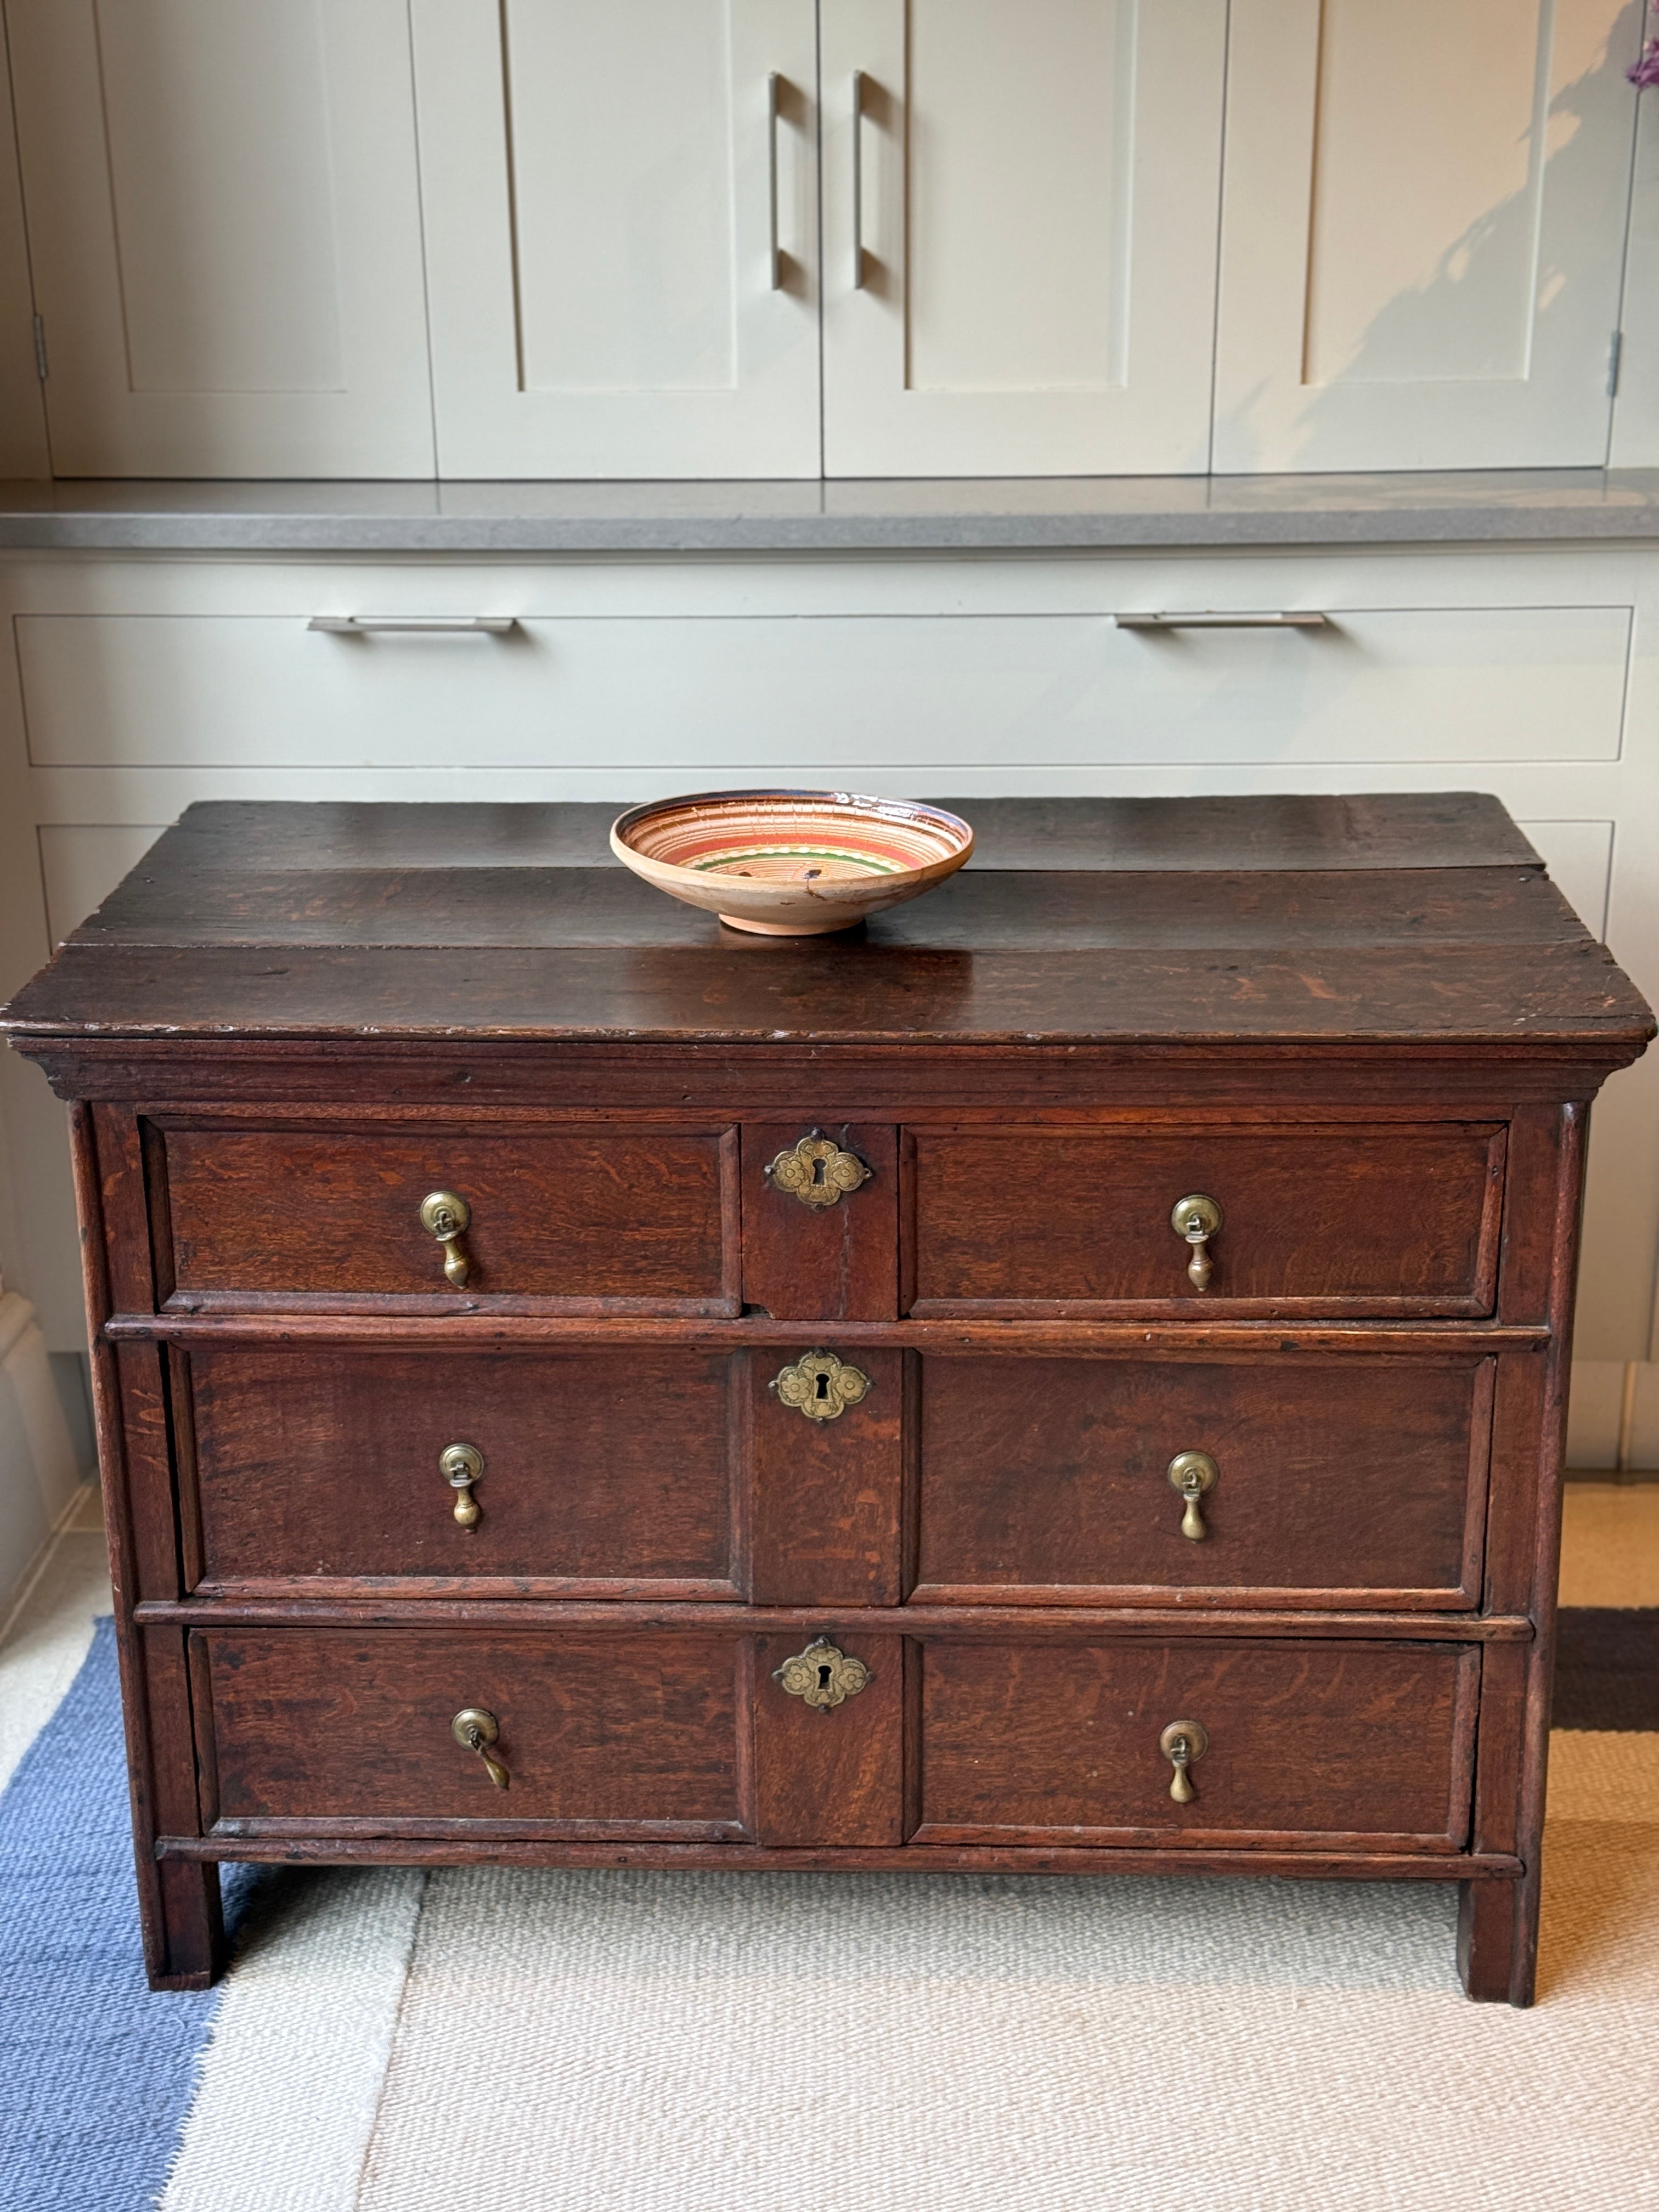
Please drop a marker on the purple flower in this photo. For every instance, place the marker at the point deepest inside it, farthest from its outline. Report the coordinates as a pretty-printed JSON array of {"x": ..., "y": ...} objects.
[{"x": 1646, "y": 71}]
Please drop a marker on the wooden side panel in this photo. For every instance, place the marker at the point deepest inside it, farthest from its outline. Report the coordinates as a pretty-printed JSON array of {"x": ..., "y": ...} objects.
[
  {"x": 826, "y": 1494},
  {"x": 633, "y": 1216},
  {"x": 837, "y": 1262},
  {"x": 1353, "y": 1481},
  {"x": 1338, "y": 1220},
  {"x": 599, "y": 1734},
  {"x": 830, "y": 1777},
  {"x": 1355, "y": 1743},
  {"x": 603, "y": 1471}
]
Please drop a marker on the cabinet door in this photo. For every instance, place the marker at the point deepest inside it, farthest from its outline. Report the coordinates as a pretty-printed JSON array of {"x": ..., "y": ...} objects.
[
  {"x": 1019, "y": 234},
  {"x": 224, "y": 227},
  {"x": 622, "y": 234},
  {"x": 1422, "y": 232}
]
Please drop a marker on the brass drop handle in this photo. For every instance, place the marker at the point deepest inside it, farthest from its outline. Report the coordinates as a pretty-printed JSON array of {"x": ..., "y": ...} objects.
[
  {"x": 445, "y": 1215},
  {"x": 1180, "y": 1743},
  {"x": 475, "y": 1729},
  {"x": 460, "y": 1466},
  {"x": 1195, "y": 1220},
  {"x": 1192, "y": 1474}
]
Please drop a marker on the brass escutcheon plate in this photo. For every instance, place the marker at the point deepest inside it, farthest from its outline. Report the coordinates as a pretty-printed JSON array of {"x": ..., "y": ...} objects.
[
  {"x": 821, "y": 1676},
  {"x": 817, "y": 1171},
  {"x": 820, "y": 1385}
]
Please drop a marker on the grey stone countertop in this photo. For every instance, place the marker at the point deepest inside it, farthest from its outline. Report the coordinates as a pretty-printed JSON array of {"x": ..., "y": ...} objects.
[{"x": 1056, "y": 514}]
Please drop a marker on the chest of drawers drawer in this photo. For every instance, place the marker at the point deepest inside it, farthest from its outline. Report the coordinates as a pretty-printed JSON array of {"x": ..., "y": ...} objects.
[
  {"x": 1264, "y": 1480},
  {"x": 592, "y": 1472},
  {"x": 1338, "y": 1220},
  {"x": 1303, "y": 1741},
  {"x": 598, "y": 1735},
  {"x": 640, "y": 1219},
  {"x": 681, "y": 1472},
  {"x": 1295, "y": 1745}
]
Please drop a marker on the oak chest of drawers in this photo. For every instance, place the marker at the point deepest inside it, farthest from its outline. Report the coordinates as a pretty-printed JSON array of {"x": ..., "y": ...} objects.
[{"x": 1068, "y": 1380}]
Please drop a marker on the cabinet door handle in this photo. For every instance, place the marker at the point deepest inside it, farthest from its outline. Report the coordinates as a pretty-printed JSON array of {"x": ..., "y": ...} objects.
[
  {"x": 1293, "y": 618},
  {"x": 776, "y": 263},
  {"x": 409, "y": 625},
  {"x": 858, "y": 180}
]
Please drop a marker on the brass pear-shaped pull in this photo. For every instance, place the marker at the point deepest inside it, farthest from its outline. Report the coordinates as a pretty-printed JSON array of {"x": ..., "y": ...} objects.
[
  {"x": 1193, "y": 1474},
  {"x": 460, "y": 1466},
  {"x": 1180, "y": 1743},
  {"x": 445, "y": 1215},
  {"x": 1195, "y": 1220},
  {"x": 475, "y": 1729}
]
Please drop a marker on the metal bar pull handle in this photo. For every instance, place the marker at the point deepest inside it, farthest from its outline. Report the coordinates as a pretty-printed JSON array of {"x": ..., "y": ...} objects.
[
  {"x": 774, "y": 277},
  {"x": 1290, "y": 619},
  {"x": 858, "y": 180},
  {"x": 462, "y": 625}
]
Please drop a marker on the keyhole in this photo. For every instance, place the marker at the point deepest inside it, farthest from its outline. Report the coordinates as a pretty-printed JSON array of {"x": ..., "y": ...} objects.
[
  {"x": 823, "y": 1387},
  {"x": 823, "y": 1676},
  {"x": 818, "y": 1172}
]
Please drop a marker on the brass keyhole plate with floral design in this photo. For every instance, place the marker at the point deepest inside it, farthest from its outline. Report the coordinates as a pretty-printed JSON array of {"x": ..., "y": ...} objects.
[
  {"x": 817, "y": 1171},
  {"x": 821, "y": 1676},
  {"x": 820, "y": 1385}
]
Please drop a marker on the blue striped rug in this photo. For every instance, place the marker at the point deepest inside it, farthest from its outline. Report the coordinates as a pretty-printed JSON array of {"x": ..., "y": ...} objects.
[{"x": 99, "y": 2072}]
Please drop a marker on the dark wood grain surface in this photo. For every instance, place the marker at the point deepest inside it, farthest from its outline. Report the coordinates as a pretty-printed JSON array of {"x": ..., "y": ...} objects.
[
  {"x": 603, "y": 1471},
  {"x": 1426, "y": 830},
  {"x": 1039, "y": 1478},
  {"x": 1048, "y": 1744},
  {"x": 1332, "y": 1220},
  {"x": 317, "y": 1724},
  {"x": 1394, "y": 916}
]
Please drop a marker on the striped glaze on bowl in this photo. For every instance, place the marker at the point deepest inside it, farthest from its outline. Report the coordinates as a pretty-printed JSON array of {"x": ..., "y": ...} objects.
[{"x": 791, "y": 863}]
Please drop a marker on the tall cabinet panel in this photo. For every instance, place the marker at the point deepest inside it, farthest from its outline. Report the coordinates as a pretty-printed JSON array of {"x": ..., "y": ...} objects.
[
  {"x": 224, "y": 225},
  {"x": 621, "y": 229},
  {"x": 1422, "y": 232},
  {"x": 1020, "y": 213}
]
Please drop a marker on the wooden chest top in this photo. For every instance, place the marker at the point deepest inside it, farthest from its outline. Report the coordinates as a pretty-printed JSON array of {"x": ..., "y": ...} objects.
[{"x": 1420, "y": 920}]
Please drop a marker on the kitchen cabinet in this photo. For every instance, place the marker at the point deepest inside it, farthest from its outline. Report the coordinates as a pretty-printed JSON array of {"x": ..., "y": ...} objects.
[
  {"x": 620, "y": 207},
  {"x": 224, "y": 235},
  {"x": 1019, "y": 232},
  {"x": 1423, "y": 233},
  {"x": 1056, "y": 237}
]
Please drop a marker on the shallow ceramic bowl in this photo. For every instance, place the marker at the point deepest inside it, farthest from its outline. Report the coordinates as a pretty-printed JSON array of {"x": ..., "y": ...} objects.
[{"x": 791, "y": 863}]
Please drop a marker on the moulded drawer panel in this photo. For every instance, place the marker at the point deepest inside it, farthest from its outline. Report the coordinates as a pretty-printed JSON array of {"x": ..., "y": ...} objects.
[
  {"x": 916, "y": 691},
  {"x": 634, "y": 1216},
  {"x": 1325, "y": 1742},
  {"x": 636, "y": 1734},
  {"x": 605, "y": 1472},
  {"x": 1336, "y": 1482},
  {"x": 1339, "y": 1221}
]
